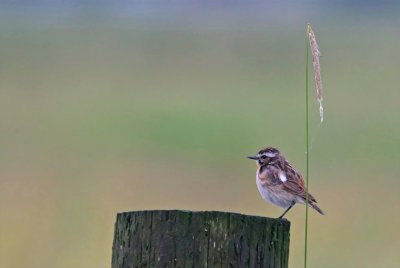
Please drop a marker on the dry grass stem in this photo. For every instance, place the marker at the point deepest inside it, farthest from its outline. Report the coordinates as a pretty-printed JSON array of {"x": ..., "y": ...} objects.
[{"x": 317, "y": 68}]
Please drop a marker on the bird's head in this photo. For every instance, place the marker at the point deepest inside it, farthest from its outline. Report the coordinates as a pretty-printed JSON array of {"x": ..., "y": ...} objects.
[{"x": 265, "y": 156}]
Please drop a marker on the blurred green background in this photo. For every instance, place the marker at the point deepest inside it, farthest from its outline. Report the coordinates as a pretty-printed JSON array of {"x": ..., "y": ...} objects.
[{"x": 107, "y": 108}]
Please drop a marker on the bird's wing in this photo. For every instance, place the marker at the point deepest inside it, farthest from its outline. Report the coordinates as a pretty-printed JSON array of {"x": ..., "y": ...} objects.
[
  {"x": 270, "y": 176},
  {"x": 295, "y": 184}
]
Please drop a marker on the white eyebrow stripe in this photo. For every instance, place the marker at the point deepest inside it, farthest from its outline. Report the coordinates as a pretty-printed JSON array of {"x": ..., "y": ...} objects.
[
  {"x": 270, "y": 154},
  {"x": 282, "y": 177}
]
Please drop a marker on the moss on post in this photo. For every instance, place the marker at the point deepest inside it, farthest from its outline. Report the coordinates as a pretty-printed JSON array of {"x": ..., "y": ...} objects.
[{"x": 173, "y": 238}]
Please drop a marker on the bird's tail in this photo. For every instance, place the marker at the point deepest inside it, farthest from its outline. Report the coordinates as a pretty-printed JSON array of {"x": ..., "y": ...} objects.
[{"x": 314, "y": 206}]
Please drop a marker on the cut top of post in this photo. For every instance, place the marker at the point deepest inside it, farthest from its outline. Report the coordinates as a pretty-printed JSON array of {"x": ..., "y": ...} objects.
[{"x": 174, "y": 238}]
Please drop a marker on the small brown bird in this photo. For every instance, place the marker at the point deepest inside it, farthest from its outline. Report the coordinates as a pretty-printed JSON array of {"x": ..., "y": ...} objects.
[{"x": 279, "y": 183}]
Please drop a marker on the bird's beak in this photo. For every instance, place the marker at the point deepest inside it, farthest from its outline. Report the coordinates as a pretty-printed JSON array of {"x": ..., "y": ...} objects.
[{"x": 253, "y": 157}]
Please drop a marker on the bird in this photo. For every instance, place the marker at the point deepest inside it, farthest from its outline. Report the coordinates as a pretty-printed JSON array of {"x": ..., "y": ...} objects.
[{"x": 279, "y": 182}]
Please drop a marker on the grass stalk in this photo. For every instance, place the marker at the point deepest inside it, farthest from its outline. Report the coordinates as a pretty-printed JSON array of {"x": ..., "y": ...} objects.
[
  {"x": 311, "y": 44},
  {"x": 307, "y": 152}
]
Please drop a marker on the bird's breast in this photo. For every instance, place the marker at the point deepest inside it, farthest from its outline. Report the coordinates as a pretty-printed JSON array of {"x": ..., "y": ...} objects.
[{"x": 270, "y": 194}]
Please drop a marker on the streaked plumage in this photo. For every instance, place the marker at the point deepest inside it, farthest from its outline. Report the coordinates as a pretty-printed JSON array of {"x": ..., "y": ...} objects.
[{"x": 279, "y": 182}]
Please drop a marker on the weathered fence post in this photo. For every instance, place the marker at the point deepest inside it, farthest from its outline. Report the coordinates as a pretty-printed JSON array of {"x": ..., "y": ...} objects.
[{"x": 174, "y": 238}]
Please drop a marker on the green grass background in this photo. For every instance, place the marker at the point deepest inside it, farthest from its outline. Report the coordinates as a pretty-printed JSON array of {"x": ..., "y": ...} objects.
[{"x": 156, "y": 106}]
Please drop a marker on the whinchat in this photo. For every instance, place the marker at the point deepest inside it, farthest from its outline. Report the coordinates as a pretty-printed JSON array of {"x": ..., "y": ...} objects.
[{"x": 279, "y": 183}]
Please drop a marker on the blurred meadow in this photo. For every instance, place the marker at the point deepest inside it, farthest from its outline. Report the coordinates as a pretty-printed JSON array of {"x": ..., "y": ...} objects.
[{"x": 107, "y": 108}]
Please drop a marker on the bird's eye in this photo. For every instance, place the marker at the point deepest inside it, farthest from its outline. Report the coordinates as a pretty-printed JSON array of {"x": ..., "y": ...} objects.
[{"x": 263, "y": 156}]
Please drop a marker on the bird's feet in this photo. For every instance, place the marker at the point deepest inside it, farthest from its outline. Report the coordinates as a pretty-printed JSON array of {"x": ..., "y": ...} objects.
[{"x": 281, "y": 216}]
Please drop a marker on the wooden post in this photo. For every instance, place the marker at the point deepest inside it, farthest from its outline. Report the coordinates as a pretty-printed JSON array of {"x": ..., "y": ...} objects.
[{"x": 174, "y": 238}]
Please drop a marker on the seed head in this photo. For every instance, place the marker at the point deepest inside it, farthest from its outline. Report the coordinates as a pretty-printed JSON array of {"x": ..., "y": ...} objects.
[{"x": 315, "y": 53}]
